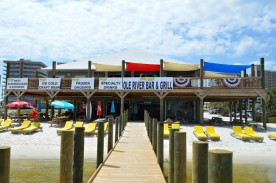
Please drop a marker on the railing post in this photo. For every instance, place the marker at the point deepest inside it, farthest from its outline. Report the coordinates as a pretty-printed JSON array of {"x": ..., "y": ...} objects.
[
  {"x": 78, "y": 155},
  {"x": 154, "y": 134},
  {"x": 149, "y": 131},
  {"x": 180, "y": 157},
  {"x": 220, "y": 166},
  {"x": 100, "y": 145},
  {"x": 120, "y": 125},
  {"x": 200, "y": 162},
  {"x": 110, "y": 134},
  {"x": 5, "y": 156},
  {"x": 116, "y": 129},
  {"x": 160, "y": 144},
  {"x": 66, "y": 156},
  {"x": 171, "y": 155}
]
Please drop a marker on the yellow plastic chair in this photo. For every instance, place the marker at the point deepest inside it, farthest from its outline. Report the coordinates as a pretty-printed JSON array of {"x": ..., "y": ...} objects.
[
  {"x": 239, "y": 134},
  {"x": 272, "y": 136},
  {"x": 90, "y": 129},
  {"x": 198, "y": 132},
  {"x": 210, "y": 132},
  {"x": 25, "y": 124},
  {"x": 175, "y": 126},
  {"x": 34, "y": 127},
  {"x": 68, "y": 125},
  {"x": 250, "y": 132},
  {"x": 166, "y": 130},
  {"x": 7, "y": 123},
  {"x": 105, "y": 128},
  {"x": 78, "y": 124}
]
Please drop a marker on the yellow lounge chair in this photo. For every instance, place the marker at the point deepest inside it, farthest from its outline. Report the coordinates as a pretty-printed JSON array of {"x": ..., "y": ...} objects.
[
  {"x": 198, "y": 132},
  {"x": 105, "y": 128},
  {"x": 175, "y": 126},
  {"x": 68, "y": 125},
  {"x": 239, "y": 134},
  {"x": 78, "y": 124},
  {"x": 25, "y": 124},
  {"x": 90, "y": 129},
  {"x": 272, "y": 136},
  {"x": 166, "y": 130},
  {"x": 210, "y": 132},
  {"x": 34, "y": 127},
  {"x": 250, "y": 132},
  {"x": 6, "y": 124}
]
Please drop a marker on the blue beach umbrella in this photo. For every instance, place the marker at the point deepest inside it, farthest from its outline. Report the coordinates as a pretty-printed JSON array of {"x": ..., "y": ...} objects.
[
  {"x": 112, "y": 107},
  {"x": 62, "y": 104}
]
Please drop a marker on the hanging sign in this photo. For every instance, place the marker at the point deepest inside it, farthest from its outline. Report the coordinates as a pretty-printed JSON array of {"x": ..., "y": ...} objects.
[
  {"x": 49, "y": 83},
  {"x": 110, "y": 83},
  {"x": 17, "y": 83},
  {"x": 82, "y": 84},
  {"x": 148, "y": 83}
]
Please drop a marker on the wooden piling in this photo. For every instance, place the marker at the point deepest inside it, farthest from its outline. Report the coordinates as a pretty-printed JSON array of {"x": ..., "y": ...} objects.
[
  {"x": 149, "y": 131},
  {"x": 100, "y": 144},
  {"x": 180, "y": 157},
  {"x": 116, "y": 129},
  {"x": 220, "y": 166},
  {"x": 5, "y": 156},
  {"x": 200, "y": 162},
  {"x": 78, "y": 157},
  {"x": 66, "y": 156},
  {"x": 171, "y": 155},
  {"x": 110, "y": 134},
  {"x": 160, "y": 144},
  {"x": 154, "y": 134},
  {"x": 120, "y": 125}
]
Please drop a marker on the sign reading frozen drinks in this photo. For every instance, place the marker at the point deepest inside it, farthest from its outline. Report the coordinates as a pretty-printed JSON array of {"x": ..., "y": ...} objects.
[
  {"x": 82, "y": 84},
  {"x": 110, "y": 83},
  {"x": 17, "y": 83},
  {"x": 148, "y": 83},
  {"x": 49, "y": 83}
]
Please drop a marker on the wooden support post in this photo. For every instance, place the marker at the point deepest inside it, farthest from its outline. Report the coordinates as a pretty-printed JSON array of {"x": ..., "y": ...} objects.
[
  {"x": 110, "y": 134},
  {"x": 100, "y": 144},
  {"x": 200, "y": 162},
  {"x": 5, "y": 156},
  {"x": 52, "y": 110},
  {"x": 88, "y": 115},
  {"x": 125, "y": 119},
  {"x": 230, "y": 111},
  {"x": 6, "y": 108},
  {"x": 122, "y": 110},
  {"x": 201, "y": 73},
  {"x": 120, "y": 125},
  {"x": 154, "y": 135},
  {"x": 66, "y": 156},
  {"x": 160, "y": 144},
  {"x": 245, "y": 110},
  {"x": 235, "y": 110},
  {"x": 161, "y": 68},
  {"x": 220, "y": 166},
  {"x": 78, "y": 154},
  {"x": 116, "y": 129},
  {"x": 240, "y": 107},
  {"x": 201, "y": 111},
  {"x": 171, "y": 155},
  {"x": 146, "y": 120},
  {"x": 89, "y": 73},
  {"x": 180, "y": 158},
  {"x": 263, "y": 87},
  {"x": 254, "y": 109},
  {"x": 161, "y": 109},
  {"x": 150, "y": 130}
]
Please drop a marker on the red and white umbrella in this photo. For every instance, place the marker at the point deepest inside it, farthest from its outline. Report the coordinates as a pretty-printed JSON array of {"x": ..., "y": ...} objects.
[
  {"x": 18, "y": 103},
  {"x": 99, "y": 109}
]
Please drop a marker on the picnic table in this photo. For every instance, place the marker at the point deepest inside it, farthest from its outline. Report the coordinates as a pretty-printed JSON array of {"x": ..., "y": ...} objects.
[{"x": 60, "y": 121}]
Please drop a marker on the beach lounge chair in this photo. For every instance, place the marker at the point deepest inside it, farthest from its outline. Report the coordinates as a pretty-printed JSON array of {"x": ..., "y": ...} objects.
[
  {"x": 239, "y": 134},
  {"x": 78, "y": 124},
  {"x": 34, "y": 127},
  {"x": 105, "y": 128},
  {"x": 198, "y": 132},
  {"x": 272, "y": 136},
  {"x": 250, "y": 132},
  {"x": 25, "y": 124},
  {"x": 166, "y": 130},
  {"x": 68, "y": 125},
  {"x": 90, "y": 129},
  {"x": 210, "y": 132},
  {"x": 175, "y": 126},
  {"x": 6, "y": 124}
]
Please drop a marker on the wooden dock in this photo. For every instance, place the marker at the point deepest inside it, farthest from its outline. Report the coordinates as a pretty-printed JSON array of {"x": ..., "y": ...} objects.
[{"x": 132, "y": 159}]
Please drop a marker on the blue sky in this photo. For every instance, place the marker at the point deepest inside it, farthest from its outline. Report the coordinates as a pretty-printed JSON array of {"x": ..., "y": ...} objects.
[{"x": 228, "y": 32}]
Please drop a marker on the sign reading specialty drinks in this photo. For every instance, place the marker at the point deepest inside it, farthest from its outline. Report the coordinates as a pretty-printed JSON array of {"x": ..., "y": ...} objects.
[
  {"x": 82, "y": 84},
  {"x": 148, "y": 83},
  {"x": 110, "y": 83},
  {"x": 49, "y": 83},
  {"x": 17, "y": 83}
]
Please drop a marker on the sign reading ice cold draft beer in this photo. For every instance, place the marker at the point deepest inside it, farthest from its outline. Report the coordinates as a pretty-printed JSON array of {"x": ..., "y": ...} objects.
[
  {"x": 17, "y": 83},
  {"x": 148, "y": 83},
  {"x": 82, "y": 84},
  {"x": 49, "y": 83},
  {"x": 110, "y": 83}
]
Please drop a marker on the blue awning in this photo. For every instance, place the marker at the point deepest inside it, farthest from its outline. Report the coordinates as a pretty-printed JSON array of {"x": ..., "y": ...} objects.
[{"x": 224, "y": 68}]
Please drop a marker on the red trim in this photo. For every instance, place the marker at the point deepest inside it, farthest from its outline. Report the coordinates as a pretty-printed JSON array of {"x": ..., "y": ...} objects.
[{"x": 130, "y": 66}]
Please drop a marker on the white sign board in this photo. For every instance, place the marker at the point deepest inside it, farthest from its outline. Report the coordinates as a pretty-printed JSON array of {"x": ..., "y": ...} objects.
[
  {"x": 49, "y": 83},
  {"x": 148, "y": 83},
  {"x": 110, "y": 83},
  {"x": 82, "y": 84},
  {"x": 17, "y": 83}
]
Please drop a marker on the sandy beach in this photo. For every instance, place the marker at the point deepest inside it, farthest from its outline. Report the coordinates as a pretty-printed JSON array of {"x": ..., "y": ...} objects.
[{"x": 45, "y": 144}]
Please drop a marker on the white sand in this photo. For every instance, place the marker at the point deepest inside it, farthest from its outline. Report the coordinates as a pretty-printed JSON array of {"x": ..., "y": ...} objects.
[{"x": 46, "y": 144}]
